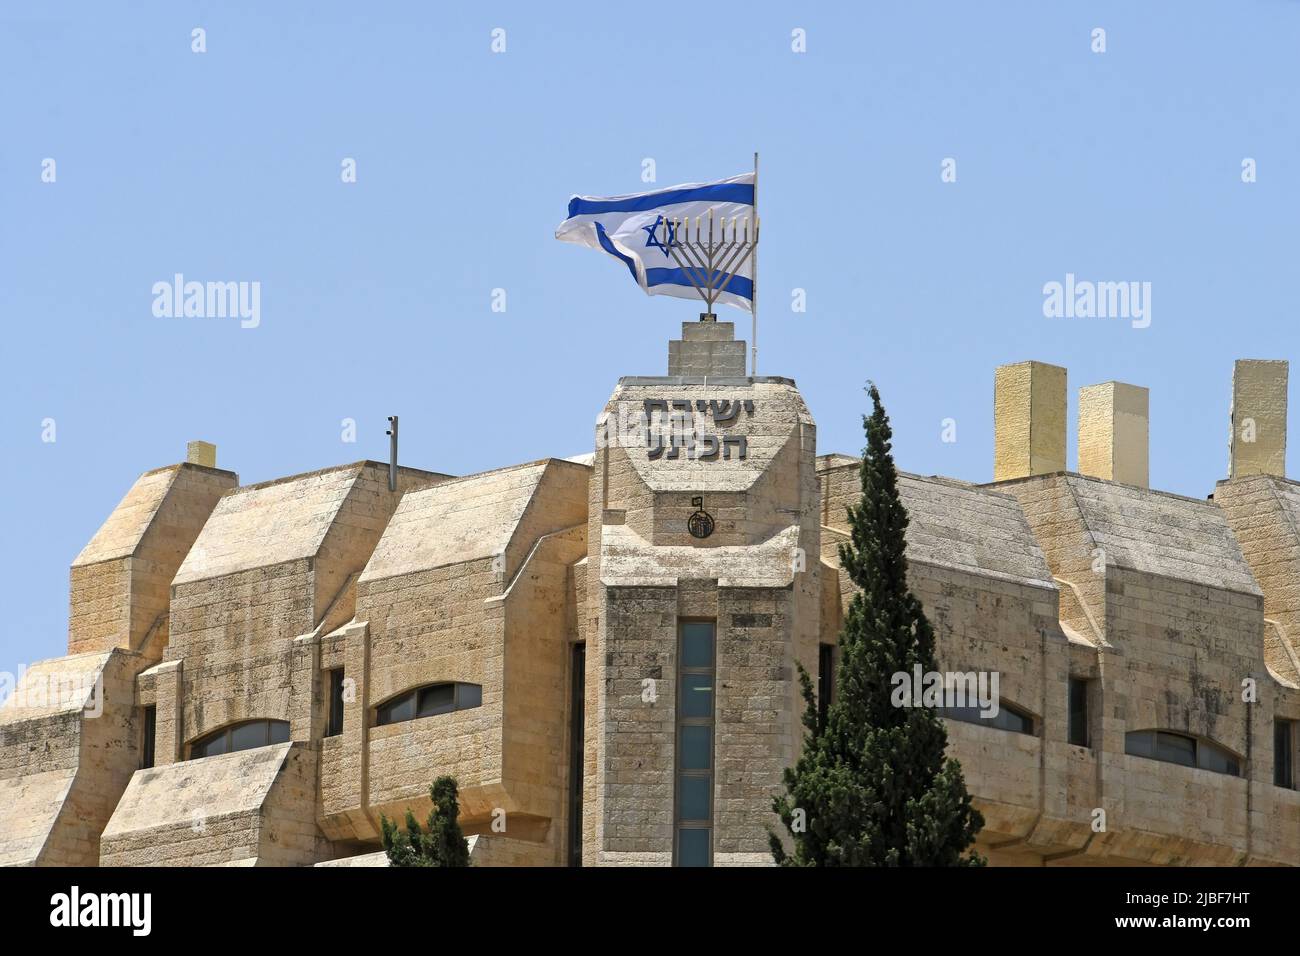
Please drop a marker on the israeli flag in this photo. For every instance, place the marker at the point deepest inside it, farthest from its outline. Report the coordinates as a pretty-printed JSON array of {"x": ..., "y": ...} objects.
[{"x": 631, "y": 229}]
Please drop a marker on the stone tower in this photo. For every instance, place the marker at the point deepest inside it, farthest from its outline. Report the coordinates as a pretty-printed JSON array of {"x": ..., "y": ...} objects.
[{"x": 702, "y": 595}]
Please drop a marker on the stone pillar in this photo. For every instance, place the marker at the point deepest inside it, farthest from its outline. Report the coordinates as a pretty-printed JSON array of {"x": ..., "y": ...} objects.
[
  {"x": 1028, "y": 420},
  {"x": 1257, "y": 443},
  {"x": 201, "y": 453},
  {"x": 308, "y": 701},
  {"x": 169, "y": 730},
  {"x": 1113, "y": 433}
]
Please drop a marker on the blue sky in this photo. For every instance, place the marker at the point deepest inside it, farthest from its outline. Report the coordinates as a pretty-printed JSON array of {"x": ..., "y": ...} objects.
[{"x": 376, "y": 296}]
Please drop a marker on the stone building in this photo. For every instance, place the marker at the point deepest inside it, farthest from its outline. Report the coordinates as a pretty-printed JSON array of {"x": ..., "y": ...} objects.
[{"x": 603, "y": 650}]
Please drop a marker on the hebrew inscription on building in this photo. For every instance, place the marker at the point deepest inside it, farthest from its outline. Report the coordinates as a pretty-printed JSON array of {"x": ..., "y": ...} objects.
[{"x": 677, "y": 428}]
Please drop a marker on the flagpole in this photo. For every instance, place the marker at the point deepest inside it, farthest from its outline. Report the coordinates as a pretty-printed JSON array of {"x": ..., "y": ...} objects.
[{"x": 753, "y": 302}]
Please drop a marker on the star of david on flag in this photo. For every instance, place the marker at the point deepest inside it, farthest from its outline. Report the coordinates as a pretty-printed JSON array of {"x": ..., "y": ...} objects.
[{"x": 632, "y": 230}]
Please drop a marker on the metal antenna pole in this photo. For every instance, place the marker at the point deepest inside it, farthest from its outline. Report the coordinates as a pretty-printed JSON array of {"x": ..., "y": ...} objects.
[
  {"x": 392, "y": 452},
  {"x": 753, "y": 301}
]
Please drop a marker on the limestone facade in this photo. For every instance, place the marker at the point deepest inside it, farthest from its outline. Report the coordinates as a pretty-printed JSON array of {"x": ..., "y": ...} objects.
[{"x": 604, "y": 651}]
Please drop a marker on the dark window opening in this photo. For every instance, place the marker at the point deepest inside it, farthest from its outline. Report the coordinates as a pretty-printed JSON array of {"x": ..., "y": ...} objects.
[
  {"x": 1007, "y": 718},
  {"x": 696, "y": 700},
  {"x": 825, "y": 680},
  {"x": 334, "y": 724},
  {"x": 577, "y": 704},
  {"x": 1078, "y": 723},
  {"x": 242, "y": 736},
  {"x": 150, "y": 735},
  {"x": 1284, "y": 754},
  {"x": 428, "y": 701},
  {"x": 1181, "y": 749}
]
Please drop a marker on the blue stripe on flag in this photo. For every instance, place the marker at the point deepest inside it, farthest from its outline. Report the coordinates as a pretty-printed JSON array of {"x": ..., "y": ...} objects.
[
  {"x": 609, "y": 247},
  {"x": 722, "y": 192},
  {"x": 739, "y": 285}
]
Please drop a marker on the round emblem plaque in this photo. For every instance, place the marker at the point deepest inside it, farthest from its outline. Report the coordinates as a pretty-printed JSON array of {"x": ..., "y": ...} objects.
[{"x": 699, "y": 524}]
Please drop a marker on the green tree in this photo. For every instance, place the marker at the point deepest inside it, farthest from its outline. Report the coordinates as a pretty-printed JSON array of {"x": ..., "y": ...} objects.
[
  {"x": 441, "y": 843},
  {"x": 872, "y": 786}
]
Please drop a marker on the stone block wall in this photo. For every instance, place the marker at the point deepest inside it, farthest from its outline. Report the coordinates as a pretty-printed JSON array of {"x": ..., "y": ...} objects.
[
  {"x": 69, "y": 741},
  {"x": 120, "y": 581},
  {"x": 707, "y": 348},
  {"x": 1262, "y": 511},
  {"x": 469, "y": 584},
  {"x": 254, "y": 807}
]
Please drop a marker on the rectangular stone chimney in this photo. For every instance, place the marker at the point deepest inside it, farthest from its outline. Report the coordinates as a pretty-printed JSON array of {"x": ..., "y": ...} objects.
[
  {"x": 1113, "y": 433},
  {"x": 707, "y": 348},
  {"x": 201, "y": 453},
  {"x": 1028, "y": 420},
  {"x": 1257, "y": 443}
]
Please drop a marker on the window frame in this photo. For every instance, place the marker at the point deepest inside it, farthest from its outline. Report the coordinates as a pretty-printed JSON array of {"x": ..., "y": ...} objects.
[
  {"x": 1199, "y": 746},
  {"x": 1078, "y": 722},
  {"x": 681, "y": 722},
  {"x": 415, "y": 694},
  {"x": 334, "y": 715},
  {"x": 227, "y": 733},
  {"x": 1284, "y": 771},
  {"x": 825, "y": 681},
  {"x": 577, "y": 736},
  {"x": 970, "y": 715},
  {"x": 149, "y": 737}
]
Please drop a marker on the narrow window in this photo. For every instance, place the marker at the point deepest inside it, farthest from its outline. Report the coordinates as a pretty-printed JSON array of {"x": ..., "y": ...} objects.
[
  {"x": 437, "y": 700},
  {"x": 825, "y": 680},
  {"x": 1176, "y": 749},
  {"x": 1210, "y": 757},
  {"x": 396, "y": 710},
  {"x": 1079, "y": 712},
  {"x": 150, "y": 733},
  {"x": 247, "y": 735},
  {"x": 1140, "y": 743},
  {"x": 334, "y": 726},
  {"x": 212, "y": 746},
  {"x": 1284, "y": 754},
  {"x": 695, "y": 703},
  {"x": 428, "y": 701},
  {"x": 1181, "y": 749},
  {"x": 577, "y": 705},
  {"x": 469, "y": 695},
  {"x": 1008, "y": 717}
]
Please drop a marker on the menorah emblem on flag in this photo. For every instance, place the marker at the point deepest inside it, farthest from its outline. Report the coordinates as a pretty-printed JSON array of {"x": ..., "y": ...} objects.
[{"x": 709, "y": 263}]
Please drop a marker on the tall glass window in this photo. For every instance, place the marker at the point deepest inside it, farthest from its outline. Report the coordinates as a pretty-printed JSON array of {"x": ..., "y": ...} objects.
[{"x": 696, "y": 662}]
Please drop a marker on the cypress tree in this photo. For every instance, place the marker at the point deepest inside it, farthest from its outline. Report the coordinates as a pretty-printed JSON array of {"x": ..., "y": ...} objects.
[
  {"x": 872, "y": 786},
  {"x": 441, "y": 844}
]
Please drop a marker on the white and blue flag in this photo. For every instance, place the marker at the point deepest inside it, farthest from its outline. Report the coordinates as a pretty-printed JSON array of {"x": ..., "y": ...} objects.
[{"x": 631, "y": 229}]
